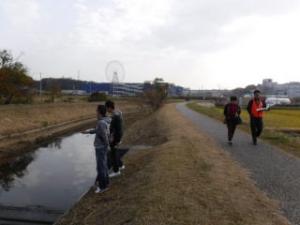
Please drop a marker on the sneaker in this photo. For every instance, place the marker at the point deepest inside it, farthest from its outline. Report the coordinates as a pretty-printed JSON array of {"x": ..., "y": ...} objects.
[
  {"x": 114, "y": 174},
  {"x": 99, "y": 191},
  {"x": 122, "y": 167},
  {"x": 96, "y": 184}
]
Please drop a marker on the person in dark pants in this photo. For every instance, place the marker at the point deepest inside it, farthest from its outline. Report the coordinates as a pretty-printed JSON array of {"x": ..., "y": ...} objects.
[
  {"x": 255, "y": 108},
  {"x": 101, "y": 144},
  {"x": 232, "y": 112},
  {"x": 116, "y": 134}
]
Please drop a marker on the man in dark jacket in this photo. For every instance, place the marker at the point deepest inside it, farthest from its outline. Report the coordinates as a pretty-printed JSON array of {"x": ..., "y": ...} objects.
[
  {"x": 116, "y": 134},
  {"x": 255, "y": 108},
  {"x": 232, "y": 112}
]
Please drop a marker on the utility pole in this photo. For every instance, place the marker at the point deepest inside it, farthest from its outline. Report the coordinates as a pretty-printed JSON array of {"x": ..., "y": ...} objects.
[
  {"x": 41, "y": 87},
  {"x": 78, "y": 77}
]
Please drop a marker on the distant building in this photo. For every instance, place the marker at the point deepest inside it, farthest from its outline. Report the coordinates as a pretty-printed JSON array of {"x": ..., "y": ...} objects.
[
  {"x": 291, "y": 89},
  {"x": 78, "y": 87},
  {"x": 268, "y": 83},
  {"x": 91, "y": 87},
  {"x": 117, "y": 89},
  {"x": 127, "y": 89},
  {"x": 175, "y": 91}
]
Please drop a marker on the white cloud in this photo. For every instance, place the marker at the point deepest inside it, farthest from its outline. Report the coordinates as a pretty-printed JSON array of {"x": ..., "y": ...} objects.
[
  {"x": 270, "y": 49},
  {"x": 20, "y": 13},
  {"x": 120, "y": 21},
  {"x": 195, "y": 43}
]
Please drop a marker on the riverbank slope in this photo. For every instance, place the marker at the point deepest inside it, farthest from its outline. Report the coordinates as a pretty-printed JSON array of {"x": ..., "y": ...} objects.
[{"x": 183, "y": 179}]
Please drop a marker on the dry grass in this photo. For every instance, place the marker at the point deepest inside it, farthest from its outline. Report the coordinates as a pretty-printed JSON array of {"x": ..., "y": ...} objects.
[
  {"x": 19, "y": 118},
  {"x": 184, "y": 180}
]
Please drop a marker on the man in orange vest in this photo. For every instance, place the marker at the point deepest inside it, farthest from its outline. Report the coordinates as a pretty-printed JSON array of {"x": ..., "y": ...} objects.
[{"x": 256, "y": 107}]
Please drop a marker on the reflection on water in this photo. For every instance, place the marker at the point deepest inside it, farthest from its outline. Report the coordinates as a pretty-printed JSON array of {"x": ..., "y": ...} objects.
[
  {"x": 54, "y": 176},
  {"x": 56, "y": 144},
  {"x": 16, "y": 168}
]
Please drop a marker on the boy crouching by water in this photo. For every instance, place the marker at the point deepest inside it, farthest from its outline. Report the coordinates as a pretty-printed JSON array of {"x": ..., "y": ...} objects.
[{"x": 101, "y": 144}]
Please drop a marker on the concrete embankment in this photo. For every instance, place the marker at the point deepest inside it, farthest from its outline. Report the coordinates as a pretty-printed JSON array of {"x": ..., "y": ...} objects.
[{"x": 18, "y": 143}]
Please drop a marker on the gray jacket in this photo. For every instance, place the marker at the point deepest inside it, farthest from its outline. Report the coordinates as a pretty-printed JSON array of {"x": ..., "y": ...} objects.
[{"x": 102, "y": 132}]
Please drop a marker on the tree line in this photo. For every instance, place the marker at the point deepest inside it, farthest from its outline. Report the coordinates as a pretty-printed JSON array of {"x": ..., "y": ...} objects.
[
  {"x": 14, "y": 78},
  {"x": 15, "y": 83}
]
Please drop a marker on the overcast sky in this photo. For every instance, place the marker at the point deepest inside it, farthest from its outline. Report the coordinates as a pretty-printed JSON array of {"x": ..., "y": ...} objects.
[{"x": 195, "y": 43}]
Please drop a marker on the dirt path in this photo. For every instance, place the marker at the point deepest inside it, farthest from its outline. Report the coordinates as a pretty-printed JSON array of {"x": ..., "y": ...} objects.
[{"x": 275, "y": 172}]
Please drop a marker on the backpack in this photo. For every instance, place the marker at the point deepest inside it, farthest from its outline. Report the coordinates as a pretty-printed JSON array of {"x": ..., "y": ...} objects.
[
  {"x": 232, "y": 110},
  {"x": 232, "y": 113}
]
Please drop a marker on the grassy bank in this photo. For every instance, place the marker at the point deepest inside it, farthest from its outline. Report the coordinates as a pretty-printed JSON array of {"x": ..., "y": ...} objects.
[
  {"x": 23, "y": 127},
  {"x": 281, "y": 125},
  {"x": 183, "y": 179},
  {"x": 19, "y": 118}
]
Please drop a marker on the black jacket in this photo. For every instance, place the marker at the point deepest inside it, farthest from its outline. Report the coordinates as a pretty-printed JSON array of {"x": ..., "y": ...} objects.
[
  {"x": 227, "y": 111},
  {"x": 116, "y": 127}
]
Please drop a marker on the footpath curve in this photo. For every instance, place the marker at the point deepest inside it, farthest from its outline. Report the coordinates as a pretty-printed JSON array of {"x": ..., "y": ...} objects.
[{"x": 274, "y": 171}]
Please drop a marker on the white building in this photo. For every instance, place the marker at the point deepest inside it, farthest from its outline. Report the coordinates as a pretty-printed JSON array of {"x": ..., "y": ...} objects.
[
  {"x": 268, "y": 83},
  {"x": 291, "y": 89}
]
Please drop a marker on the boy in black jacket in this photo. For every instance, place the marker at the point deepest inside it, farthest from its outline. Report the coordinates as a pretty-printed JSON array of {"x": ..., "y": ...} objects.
[
  {"x": 116, "y": 134},
  {"x": 232, "y": 113}
]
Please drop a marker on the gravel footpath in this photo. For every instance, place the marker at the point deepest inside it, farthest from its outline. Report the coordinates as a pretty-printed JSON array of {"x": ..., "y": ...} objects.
[{"x": 274, "y": 171}]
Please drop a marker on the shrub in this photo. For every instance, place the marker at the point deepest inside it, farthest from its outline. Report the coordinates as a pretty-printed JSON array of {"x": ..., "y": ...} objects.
[
  {"x": 156, "y": 95},
  {"x": 97, "y": 97}
]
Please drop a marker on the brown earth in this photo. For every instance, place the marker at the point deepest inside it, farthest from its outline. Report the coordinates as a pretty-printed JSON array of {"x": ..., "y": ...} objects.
[{"x": 184, "y": 179}]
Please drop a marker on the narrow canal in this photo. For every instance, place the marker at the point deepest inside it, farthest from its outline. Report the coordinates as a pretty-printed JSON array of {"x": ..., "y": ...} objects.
[{"x": 38, "y": 187}]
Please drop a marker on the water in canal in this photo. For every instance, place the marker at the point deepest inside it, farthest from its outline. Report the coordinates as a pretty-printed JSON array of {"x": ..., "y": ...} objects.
[{"x": 51, "y": 178}]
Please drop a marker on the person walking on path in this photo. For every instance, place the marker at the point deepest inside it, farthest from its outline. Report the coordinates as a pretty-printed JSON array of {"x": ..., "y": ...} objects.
[
  {"x": 116, "y": 134},
  {"x": 232, "y": 112},
  {"x": 255, "y": 108},
  {"x": 101, "y": 144}
]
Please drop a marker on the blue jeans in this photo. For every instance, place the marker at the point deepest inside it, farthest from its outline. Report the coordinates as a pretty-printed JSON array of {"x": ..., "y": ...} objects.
[{"x": 102, "y": 170}]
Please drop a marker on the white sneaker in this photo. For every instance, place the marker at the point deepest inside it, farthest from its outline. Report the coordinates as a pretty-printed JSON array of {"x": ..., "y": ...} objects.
[
  {"x": 99, "y": 191},
  {"x": 114, "y": 174},
  {"x": 122, "y": 167}
]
